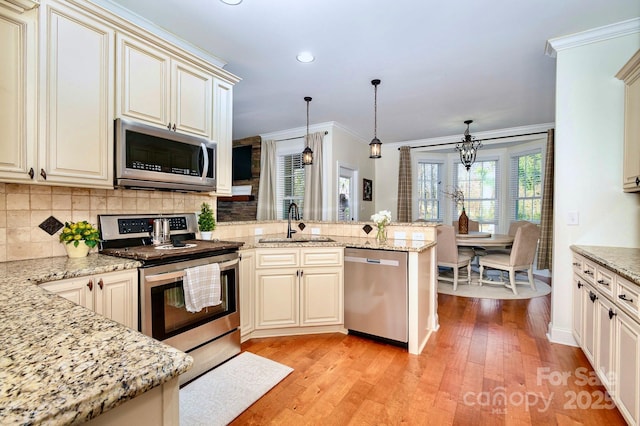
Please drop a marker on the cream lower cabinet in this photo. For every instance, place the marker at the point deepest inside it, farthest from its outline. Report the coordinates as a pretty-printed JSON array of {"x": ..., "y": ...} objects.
[
  {"x": 113, "y": 295},
  {"x": 627, "y": 368},
  {"x": 299, "y": 287},
  {"x": 247, "y": 291}
]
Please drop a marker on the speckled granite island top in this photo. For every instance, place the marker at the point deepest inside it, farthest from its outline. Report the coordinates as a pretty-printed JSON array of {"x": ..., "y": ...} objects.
[
  {"x": 338, "y": 241},
  {"x": 63, "y": 364},
  {"x": 621, "y": 260}
]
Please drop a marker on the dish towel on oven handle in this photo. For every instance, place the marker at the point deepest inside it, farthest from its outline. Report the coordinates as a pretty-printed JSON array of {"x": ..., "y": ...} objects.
[{"x": 202, "y": 287}]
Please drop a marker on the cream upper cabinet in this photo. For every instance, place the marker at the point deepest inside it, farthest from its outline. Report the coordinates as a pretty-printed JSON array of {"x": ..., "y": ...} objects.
[
  {"x": 113, "y": 295},
  {"x": 630, "y": 74},
  {"x": 222, "y": 134},
  {"x": 77, "y": 92},
  {"x": 18, "y": 109},
  {"x": 162, "y": 90}
]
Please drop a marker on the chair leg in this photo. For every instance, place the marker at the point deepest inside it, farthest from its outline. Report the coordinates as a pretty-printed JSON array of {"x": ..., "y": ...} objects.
[
  {"x": 531, "y": 280},
  {"x": 512, "y": 281},
  {"x": 455, "y": 278},
  {"x": 481, "y": 272}
]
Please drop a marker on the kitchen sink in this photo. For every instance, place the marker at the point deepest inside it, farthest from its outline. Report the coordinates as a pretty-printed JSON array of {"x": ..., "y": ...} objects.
[{"x": 277, "y": 240}]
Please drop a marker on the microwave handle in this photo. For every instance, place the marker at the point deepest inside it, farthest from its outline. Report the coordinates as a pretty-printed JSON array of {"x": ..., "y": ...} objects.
[{"x": 205, "y": 168}]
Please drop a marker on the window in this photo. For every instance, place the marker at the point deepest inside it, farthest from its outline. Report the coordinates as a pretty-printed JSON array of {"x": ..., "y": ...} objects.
[
  {"x": 290, "y": 184},
  {"x": 526, "y": 186},
  {"x": 481, "y": 189},
  {"x": 429, "y": 176}
]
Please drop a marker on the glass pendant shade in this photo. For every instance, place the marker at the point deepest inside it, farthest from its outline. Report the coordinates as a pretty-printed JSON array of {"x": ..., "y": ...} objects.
[
  {"x": 468, "y": 147},
  {"x": 375, "y": 148},
  {"x": 307, "y": 154}
]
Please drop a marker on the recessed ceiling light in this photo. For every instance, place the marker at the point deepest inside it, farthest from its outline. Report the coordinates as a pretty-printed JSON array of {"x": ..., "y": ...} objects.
[
  {"x": 231, "y": 2},
  {"x": 305, "y": 57}
]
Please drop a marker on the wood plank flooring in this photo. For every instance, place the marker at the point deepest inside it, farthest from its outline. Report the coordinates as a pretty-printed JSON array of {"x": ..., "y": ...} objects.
[{"x": 489, "y": 364}]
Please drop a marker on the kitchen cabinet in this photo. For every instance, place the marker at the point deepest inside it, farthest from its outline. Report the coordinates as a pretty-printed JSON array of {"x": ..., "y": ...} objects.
[
  {"x": 627, "y": 368},
  {"x": 605, "y": 317},
  {"x": 222, "y": 128},
  {"x": 630, "y": 74},
  {"x": 247, "y": 291},
  {"x": 77, "y": 97},
  {"x": 299, "y": 287},
  {"x": 18, "y": 81},
  {"x": 113, "y": 295},
  {"x": 158, "y": 88}
]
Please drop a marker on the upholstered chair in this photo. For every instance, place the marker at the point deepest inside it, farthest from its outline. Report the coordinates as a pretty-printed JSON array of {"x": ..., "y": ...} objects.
[
  {"x": 448, "y": 256},
  {"x": 513, "y": 228},
  {"x": 523, "y": 252}
]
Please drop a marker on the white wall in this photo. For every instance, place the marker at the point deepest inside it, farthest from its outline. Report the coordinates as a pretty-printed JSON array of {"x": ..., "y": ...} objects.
[{"x": 588, "y": 163}]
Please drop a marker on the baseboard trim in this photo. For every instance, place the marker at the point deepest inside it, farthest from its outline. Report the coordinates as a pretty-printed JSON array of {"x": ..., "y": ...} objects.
[{"x": 562, "y": 336}]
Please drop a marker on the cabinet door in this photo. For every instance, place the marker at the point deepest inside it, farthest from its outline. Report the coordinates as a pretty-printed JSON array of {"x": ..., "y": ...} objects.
[
  {"x": 77, "y": 98},
  {"x": 589, "y": 323},
  {"x": 116, "y": 297},
  {"x": 627, "y": 368},
  {"x": 321, "y": 296},
  {"x": 578, "y": 307},
  {"x": 143, "y": 82},
  {"x": 631, "y": 165},
  {"x": 78, "y": 290},
  {"x": 192, "y": 90},
  {"x": 247, "y": 293},
  {"x": 605, "y": 317},
  {"x": 18, "y": 99},
  {"x": 277, "y": 298},
  {"x": 222, "y": 133}
]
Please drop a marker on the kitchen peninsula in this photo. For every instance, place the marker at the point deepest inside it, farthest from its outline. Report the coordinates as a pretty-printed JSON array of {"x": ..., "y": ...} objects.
[{"x": 61, "y": 363}]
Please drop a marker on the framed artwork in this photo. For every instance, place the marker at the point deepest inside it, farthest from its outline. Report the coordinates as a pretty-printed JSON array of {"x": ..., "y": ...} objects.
[{"x": 367, "y": 190}]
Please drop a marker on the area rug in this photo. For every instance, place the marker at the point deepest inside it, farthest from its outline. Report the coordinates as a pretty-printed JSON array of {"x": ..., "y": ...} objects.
[
  {"x": 493, "y": 291},
  {"x": 222, "y": 394}
]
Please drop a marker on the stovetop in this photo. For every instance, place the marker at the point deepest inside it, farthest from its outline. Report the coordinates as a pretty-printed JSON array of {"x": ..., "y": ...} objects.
[{"x": 194, "y": 248}]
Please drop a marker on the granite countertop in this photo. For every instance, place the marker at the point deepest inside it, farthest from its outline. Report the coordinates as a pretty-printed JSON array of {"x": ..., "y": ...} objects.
[
  {"x": 338, "y": 241},
  {"x": 61, "y": 363},
  {"x": 621, "y": 260}
]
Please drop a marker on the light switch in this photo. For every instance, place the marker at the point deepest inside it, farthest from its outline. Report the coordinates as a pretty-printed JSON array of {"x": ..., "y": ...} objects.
[
  {"x": 257, "y": 231},
  {"x": 573, "y": 218}
]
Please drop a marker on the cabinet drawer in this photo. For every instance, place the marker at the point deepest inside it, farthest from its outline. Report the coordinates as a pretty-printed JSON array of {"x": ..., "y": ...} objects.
[
  {"x": 604, "y": 281},
  {"x": 277, "y": 258},
  {"x": 318, "y": 257},
  {"x": 627, "y": 297},
  {"x": 576, "y": 263}
]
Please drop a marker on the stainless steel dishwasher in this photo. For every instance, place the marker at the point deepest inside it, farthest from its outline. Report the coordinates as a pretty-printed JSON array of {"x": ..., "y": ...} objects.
[{"x": 375, "y": 293}]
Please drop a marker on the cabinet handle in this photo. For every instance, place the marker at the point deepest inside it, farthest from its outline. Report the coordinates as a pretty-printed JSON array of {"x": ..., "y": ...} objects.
[
  {"x": 101, "y": 284},
  {"x": 588, "y": 272},
  {"x": 174, "y": 127},
  {"x": 301, "y": 272},
  {"x": 576, "y": 264},
  {"x": 611, "y": 313},
  {"x": 580, "y": 285},
  {"x": 43, "y": 174},
  {"x": 624, "y": 297},
  {"x": 603, "y": 282},
  {"x": 637, "y": 180},
  {"x": 592, "y": 296},
  {"x": 169, "y": 126},
  {"x": 31, "y": 173},
  {"x": 90, "y": 285}
]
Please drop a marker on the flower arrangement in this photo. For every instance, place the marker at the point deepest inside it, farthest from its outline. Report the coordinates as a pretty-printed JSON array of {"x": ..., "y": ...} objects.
[
  {"x": 206, "y": 221},
  {"x": 381, "y": 219},
  {"x": 74, "y": 232}
]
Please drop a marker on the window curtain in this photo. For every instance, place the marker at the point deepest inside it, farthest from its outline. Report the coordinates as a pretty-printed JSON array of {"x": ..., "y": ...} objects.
[
  {"x": 404, "y": 185},
  {"x": 313, "y": 179},
  {"x": 545, "y": 244},
  {"x": 267, "y": 189}
]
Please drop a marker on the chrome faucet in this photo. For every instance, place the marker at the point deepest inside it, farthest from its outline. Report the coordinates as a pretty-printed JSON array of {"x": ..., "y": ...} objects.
[{"x": 292, "y": 207}]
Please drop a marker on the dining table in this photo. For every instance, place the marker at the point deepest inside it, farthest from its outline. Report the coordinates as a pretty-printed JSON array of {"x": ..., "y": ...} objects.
[{"x": 483, "y": 239}]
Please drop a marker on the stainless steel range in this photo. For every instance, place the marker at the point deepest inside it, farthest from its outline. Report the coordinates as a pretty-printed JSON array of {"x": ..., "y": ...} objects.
[{"x": 211, "y": 335}]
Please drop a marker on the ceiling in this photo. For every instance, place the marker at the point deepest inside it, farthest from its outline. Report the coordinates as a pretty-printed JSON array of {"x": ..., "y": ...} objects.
[{"x": 440, "y": 62}]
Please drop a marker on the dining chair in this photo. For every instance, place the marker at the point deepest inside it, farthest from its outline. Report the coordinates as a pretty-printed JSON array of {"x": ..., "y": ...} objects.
[
  {"x": 474, "y": 226},
  {"x": 513, "y": 228},
  {"x": 523, "y": 252},
  {"x": 448, "y": 255}
]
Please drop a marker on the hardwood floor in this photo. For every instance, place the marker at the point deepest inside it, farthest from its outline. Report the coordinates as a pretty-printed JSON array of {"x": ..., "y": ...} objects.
[{"x": 489, "y": 364}]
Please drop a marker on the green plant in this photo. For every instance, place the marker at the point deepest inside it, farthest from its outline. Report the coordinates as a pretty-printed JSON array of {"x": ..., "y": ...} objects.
[
  {"x": 206, "y": 221},
  {"x": 74, "y": 232}
]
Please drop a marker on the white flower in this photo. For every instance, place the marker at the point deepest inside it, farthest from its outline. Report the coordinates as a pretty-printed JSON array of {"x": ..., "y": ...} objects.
[{"x": 382, "y": 218}]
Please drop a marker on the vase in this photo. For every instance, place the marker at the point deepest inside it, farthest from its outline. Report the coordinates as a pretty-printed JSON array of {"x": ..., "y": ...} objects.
[
  {"x": 81, "y": 251},
  {"x": 463, "y": 223},
  {"x": 206, "y": 235},
  {"x": 381, "y": 235}
]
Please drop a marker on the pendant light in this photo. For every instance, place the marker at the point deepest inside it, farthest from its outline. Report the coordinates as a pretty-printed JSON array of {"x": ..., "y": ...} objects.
[
  {"x": 468, "y": 147},
  {"x": 307, "y": 154},
  {"x": 375, "y": 146}
]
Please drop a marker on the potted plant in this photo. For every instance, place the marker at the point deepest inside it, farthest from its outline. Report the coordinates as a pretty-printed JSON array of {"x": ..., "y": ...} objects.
[
  {"x": 79, "y": 237},
  {"x": 206, "y": 221}
]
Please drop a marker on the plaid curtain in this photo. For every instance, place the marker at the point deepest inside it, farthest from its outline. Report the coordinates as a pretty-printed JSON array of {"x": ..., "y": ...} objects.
[
  {"x": 404, "y": 185},
  {"x": 545, "y": 245}
]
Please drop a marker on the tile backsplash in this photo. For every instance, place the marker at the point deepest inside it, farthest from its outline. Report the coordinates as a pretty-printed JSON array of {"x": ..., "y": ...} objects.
[{"x": 24, "y": 207}]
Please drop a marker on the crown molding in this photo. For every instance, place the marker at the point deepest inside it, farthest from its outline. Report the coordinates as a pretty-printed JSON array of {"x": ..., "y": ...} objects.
[{"x": 619, "y": 29}]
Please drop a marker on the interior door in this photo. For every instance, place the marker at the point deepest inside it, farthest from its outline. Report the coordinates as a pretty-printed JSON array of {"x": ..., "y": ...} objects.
[{"x": 347, "y": 195}]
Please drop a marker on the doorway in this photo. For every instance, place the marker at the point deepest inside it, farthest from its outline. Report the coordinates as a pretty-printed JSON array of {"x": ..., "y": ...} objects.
[{"x": 347, "y": 194}]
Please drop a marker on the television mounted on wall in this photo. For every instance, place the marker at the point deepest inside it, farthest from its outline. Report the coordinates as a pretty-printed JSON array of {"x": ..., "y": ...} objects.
[{"x": 241, "y": 162}]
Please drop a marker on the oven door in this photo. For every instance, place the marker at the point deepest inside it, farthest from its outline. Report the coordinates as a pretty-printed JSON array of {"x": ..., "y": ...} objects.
[{"x": 164, "y": 315}]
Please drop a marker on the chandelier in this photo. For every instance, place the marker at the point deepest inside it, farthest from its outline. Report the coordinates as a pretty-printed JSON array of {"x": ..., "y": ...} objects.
[{"x": 468, "y": 147}]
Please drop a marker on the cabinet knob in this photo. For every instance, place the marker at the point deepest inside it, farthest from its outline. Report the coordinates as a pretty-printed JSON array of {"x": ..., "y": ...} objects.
[
  {"x": 592, "y": 296},
  {"x": 43, "y": 174},
  {"x": 580, "y": 284},
  {"x": 637, "y": 180},
  {"x": 90, "y": 285},
  {"x": 624, "y": 297},
  {"x": 169, "y": 126},
  {"x": 101, "y": 284},
  {"x": 31, "y": 173},
  {"x": 174, "y": 127},
  {"x": 611, "y": 313}
]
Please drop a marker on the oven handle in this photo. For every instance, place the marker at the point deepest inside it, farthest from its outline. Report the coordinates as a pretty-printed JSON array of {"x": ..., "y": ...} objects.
[{"x": 179, "y": 274}]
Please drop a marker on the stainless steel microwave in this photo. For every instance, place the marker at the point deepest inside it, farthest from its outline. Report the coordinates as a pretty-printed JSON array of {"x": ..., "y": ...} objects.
[{"x": 154, "y": 158}]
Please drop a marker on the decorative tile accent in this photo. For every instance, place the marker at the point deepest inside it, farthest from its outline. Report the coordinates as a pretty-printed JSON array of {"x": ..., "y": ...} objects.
[
  {"x": 367, "y": 228},
  {"x": 51, "y": 225},
  {"x": 301, "y": 226}
]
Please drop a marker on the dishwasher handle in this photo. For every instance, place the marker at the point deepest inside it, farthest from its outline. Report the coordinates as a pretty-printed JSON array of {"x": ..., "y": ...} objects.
[{"x": 369, "y": 261}]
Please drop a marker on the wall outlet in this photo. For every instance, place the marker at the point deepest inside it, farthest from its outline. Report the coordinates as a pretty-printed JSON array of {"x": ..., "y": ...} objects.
[
  {"x": 573, "y": 218},
  {"x": 315, "y": 231},
  {"x": 257, "y": 231}
]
